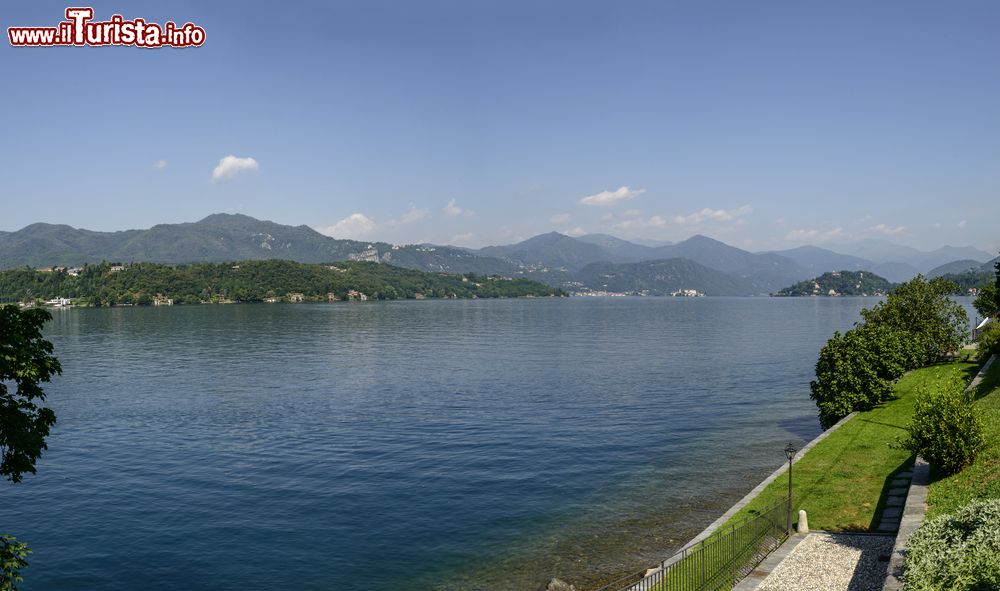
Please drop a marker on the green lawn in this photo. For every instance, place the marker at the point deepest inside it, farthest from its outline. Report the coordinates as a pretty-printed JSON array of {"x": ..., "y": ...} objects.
[
  {"x": 842, "y": 482},
  {"x": 981, "y": 480}
]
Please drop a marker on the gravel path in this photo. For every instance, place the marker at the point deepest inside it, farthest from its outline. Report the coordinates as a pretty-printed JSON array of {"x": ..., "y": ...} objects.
[{"x": 832, "y": 562}]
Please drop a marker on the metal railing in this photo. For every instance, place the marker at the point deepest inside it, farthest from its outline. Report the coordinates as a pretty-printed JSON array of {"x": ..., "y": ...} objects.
[{"x": 719, "y": 561}]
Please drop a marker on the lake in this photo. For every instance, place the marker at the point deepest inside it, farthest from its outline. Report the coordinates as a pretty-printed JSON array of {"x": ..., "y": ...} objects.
[{"x": 419, "y": 445}]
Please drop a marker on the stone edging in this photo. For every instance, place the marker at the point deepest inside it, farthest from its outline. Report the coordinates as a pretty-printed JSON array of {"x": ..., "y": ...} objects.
[
  {"x": 981, "y": 374},
  {"x": 760, "y": 487},
  {"x": 916, "y": 504},
  {"x": 913, "y": 516}
]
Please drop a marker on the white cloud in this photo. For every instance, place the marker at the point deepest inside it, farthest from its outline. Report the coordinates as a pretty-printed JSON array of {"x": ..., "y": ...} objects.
[
  {"x": 415, "y": 214},
  {"x": 160, "y": 164},
  {"x": 230, "y": 166},
  {"x": 713, "y": 215},
  {"x": 356, "y": 225},
  {"x": 577, "y": 231},
  {"x": 815, "y": 235},
  {"x": 887, "y": 230},
  {"x": 632, "y": 213},
  {"x": 453, "y": 210},
  {"x": 462, "y": 238},
  {"x": 605, "y": 198},
  {"x": 359, "y": 226},
  {"x": 560, "y": 218},
  {"x": 962, "y": 223}
]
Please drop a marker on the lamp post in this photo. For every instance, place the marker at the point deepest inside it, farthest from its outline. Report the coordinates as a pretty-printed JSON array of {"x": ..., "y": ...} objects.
[{"x": 789, "y": 453}]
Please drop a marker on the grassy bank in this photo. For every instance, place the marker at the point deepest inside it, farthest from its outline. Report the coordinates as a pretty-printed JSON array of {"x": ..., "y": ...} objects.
[
  {"x": 981, "y": 480},
  {"x": 842, "y": 482}
]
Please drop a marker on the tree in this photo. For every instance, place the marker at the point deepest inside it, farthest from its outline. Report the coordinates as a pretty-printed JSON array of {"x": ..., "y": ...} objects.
[
  {"x": 917, "y": 324},
  {"x": 996, "y": 286},
  {"x": 986, "y": 302},
  {"x": 856, "y": 371},
  {"x": 937, "y": 325},
  {"x": 26, "y": 361},
  {"x": 13, "y": 557}
]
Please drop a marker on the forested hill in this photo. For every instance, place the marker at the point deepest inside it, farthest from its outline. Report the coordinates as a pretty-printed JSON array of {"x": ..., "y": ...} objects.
[
  {"x": 840, "y": 283},
  {"x": 251, "y": 281}
]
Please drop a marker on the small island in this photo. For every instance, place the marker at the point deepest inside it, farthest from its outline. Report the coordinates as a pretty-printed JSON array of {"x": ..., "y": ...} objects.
[{"x": 839, "y": 283}]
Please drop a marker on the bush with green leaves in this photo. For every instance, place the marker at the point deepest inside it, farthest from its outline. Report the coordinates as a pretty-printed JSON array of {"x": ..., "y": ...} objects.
[
  {"x": 13, "y": 557},
  {"x": 856, "y": 370},
  {"x": 937, "y": 324},
  {"x": 956, "y": 552},
  {"x": 986, "y": 302},
  {"x": 916, "y": 325},
  {"x": 945, "y": 430},
  {"x": 988, "y": 341}
]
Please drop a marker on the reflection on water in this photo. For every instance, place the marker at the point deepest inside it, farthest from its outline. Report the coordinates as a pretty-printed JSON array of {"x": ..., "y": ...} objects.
[{"x": 456, "y": 444}]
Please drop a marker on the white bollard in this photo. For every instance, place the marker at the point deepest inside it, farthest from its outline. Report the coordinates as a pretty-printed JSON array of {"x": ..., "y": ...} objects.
[{"x": 803, "y": 525}]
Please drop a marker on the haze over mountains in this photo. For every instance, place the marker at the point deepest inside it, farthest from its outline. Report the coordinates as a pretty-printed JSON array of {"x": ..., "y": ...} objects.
[{"x": 595, "y": 261}]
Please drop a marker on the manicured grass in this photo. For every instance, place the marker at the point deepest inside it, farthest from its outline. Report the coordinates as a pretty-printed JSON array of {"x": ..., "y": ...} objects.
[
  {"x": 842, "y": 482},
  {"x": 981, "y": 480}
]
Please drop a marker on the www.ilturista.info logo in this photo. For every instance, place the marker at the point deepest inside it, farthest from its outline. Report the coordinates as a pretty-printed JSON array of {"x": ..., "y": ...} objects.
[{"x": 80, "y": 29}]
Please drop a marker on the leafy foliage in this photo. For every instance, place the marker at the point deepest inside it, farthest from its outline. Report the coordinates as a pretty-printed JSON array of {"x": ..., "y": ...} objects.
[
  {"x": 916, "y": 325},
  {"x": 966, "y": 280},
  {"x": 26, "y": 360},
  {"x": 252, "y": 281},
  {"x": 856, "y": 371},
  {"x": 988, "y": 342},
  {"x": 936, "y": 324},
  {"x": 956, "y": 552},
  {"x": 986, "y": 303},
  {"x": 13, "y": 557},
  {"x": 945, "y": 430},
  {"x": 849, "y": 283}
]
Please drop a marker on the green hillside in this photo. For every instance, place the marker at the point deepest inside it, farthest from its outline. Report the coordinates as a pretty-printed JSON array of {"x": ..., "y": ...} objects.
[
  {"x": 251, "y": 281},
  {"x": 840, "y": 283}
]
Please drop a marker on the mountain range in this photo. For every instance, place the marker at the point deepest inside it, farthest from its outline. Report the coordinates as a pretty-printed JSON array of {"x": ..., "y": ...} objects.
[{"x": 593, "y": 261}]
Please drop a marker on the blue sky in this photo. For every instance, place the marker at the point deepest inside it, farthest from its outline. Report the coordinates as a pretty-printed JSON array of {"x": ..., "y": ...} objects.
[{"x": 763, "y": 124}]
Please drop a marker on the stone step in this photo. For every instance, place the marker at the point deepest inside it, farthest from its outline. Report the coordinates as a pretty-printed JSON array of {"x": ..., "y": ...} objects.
[
  {"x": 892, "y": 513},
  {"x": 895, "y": 501}
]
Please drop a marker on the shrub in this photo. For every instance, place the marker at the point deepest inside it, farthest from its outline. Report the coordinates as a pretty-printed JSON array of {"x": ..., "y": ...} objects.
[
  {"x": 945, "y": 429},
  {"x": 937, "y": 324},
  {"x": 986, "y": 302},
  {"x": 856, "y": 370},
  {"x": 988, "y": 341},
  {"x": 956, "y": 552}
]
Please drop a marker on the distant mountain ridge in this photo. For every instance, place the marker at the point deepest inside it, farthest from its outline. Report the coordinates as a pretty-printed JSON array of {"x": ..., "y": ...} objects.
[
  {"x": 223, "y": 237},
  {"x": 588, "y": 262}
]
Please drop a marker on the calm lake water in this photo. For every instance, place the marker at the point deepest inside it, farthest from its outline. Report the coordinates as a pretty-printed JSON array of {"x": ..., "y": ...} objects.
[{"x": 417, "y": 445}]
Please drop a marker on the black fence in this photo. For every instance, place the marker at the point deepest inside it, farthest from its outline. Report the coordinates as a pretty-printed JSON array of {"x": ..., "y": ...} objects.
[{"x": 719, "y": 561}]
